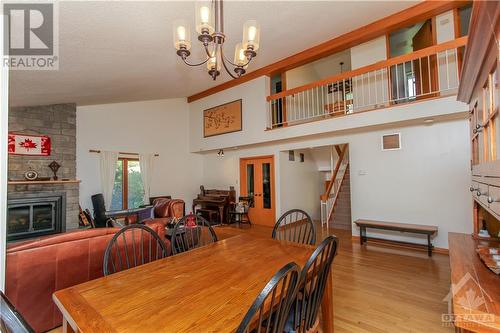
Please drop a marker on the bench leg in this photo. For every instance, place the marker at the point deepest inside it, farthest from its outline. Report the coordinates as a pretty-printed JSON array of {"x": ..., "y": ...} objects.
[
  {"x": 362, "y": 235},
  {"x": 429, "y": 246}
]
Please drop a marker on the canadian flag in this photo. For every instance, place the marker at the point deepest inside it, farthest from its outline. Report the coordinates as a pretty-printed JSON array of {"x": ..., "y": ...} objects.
[{"x": 20, "y": 144}]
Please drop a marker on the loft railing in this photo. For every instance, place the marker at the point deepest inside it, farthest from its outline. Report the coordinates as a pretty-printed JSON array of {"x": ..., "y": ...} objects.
[
  {"x": 430, "y": 72},
  {"x": 329, "y": 198}
]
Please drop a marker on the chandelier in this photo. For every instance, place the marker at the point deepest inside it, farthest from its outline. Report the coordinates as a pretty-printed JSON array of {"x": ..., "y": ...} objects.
[{"x": 210, "y": 29}]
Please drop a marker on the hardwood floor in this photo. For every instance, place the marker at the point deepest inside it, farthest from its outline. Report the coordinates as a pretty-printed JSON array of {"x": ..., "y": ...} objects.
[{"x": 380, "y": 289}]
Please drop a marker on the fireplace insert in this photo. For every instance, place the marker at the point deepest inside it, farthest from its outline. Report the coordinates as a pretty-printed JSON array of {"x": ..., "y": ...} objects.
[{"x": 35, "y": 214}]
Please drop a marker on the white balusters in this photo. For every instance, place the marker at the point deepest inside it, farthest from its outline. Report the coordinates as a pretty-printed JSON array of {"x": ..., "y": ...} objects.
[{"x": 403, "y": 82}]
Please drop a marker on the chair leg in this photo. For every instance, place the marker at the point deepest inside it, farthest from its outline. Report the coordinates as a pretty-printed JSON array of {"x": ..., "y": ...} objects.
[{"x": 316, "y": 327}]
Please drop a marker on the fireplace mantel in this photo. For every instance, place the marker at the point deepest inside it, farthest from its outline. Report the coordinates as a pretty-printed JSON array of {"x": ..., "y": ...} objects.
[{"x": 34, "y": 182}]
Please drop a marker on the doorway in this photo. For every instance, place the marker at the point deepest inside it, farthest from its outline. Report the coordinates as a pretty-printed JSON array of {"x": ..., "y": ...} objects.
[
  {"x": 257, "y": 181},
  {"x": 413, "y": 79}
]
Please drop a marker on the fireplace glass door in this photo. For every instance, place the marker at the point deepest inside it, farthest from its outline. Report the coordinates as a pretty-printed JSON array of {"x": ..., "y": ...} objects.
[
  {"x": 35, "y": 215},
  {"x": 25, "y": 219}
]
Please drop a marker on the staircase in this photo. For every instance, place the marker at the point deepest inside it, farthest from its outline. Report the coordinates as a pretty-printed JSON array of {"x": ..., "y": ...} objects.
[
  {"x": 341, "y": 217},
  {"x": 336, "y": 201}
]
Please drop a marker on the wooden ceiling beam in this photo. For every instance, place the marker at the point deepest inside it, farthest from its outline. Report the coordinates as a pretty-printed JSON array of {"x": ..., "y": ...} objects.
[{"x": 409, "y": 16}]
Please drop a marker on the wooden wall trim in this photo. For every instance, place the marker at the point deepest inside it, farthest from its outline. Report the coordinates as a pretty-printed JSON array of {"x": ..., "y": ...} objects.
[
  {"x": 417, "y": 13},
  {"x": 483, "y": 30}
]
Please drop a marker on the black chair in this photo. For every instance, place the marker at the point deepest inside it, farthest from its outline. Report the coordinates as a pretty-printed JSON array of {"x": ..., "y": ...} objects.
[
  {"x": 295, "y": 226},
  {"x": 100, "y": 218},
  {"x": 270, "y": 310},
  {"x": 313, "y": 279},
  {"x": 132, "y": 246},
  {"x": 190, "y": 232},
  {"x": 11, "y": 321}
]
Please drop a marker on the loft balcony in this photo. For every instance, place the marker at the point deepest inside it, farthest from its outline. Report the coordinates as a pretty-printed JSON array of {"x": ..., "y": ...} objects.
[{"x": 432, "y": 72}]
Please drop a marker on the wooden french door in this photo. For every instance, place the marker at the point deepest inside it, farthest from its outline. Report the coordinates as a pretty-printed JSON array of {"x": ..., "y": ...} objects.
[{"x": 257, "y": 181}]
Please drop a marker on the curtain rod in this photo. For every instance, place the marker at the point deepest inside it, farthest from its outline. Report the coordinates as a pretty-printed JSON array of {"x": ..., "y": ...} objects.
[{"x": 120, "y": 152}]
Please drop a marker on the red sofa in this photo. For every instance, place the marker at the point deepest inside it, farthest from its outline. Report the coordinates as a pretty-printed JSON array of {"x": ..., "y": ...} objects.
[{"x": 35, "y": 269}]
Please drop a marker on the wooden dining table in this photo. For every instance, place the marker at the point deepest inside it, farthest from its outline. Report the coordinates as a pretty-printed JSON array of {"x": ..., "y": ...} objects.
[{"x": 208, "y": 289}]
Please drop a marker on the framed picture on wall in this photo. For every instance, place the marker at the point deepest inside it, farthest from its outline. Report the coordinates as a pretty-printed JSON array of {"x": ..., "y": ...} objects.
[{"x": 222, "y": 119}]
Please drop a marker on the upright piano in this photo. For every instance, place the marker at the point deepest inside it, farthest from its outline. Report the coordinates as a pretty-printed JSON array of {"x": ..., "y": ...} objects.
[{"x": 215, "y": 200}]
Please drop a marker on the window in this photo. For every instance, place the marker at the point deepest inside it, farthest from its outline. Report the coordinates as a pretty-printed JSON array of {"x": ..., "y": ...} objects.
[{"x": 128, "y": 191}]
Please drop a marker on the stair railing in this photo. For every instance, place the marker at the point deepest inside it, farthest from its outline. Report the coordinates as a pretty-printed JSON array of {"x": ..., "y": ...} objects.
[{"x": 329, "y": 198}]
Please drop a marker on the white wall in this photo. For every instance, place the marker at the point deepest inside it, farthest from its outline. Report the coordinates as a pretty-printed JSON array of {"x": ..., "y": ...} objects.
[
  {"x": 300, "y": 185},
  {"x": 368, "y": 53},
  {"x": 159, "y": 126},
  {"x": 300, "y": 76},
  {"x": 426, "y": 182}
]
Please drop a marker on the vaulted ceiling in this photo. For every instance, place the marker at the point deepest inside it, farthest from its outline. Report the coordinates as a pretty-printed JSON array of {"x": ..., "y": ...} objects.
[{"x": 113, "y": 51}]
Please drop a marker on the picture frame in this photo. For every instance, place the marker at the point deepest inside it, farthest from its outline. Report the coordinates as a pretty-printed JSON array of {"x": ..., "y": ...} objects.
[{"x": 223, "y": 119}]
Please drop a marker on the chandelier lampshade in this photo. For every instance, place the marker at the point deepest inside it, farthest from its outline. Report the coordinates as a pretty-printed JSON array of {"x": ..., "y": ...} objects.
[
  {"x": 251, "y": 35},
  {"x": 182, "y": 35},
  {"x": 204, "y": 18}
]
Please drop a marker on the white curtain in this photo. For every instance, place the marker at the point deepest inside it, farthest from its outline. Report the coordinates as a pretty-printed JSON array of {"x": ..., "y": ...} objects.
[
  {"x": 107, "y": 164},
  {"x": 146, "y": 164}
]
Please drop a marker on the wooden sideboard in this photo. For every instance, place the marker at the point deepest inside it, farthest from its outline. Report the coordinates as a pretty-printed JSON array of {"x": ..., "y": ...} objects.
[{"x": 476, "y": 289}]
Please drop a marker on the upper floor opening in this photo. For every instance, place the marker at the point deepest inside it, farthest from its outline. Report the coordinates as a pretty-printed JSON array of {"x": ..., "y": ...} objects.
[{"x": 419, "y": 61}]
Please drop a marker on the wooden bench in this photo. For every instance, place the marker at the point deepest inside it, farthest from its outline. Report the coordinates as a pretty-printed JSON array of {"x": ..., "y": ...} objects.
[{"x": 428, "y": 230}]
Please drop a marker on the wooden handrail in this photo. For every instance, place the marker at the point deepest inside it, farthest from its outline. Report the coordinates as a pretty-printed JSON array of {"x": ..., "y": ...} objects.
[
  {"x": 453, "y": 44},
  {"x": 324, "y": 197}
]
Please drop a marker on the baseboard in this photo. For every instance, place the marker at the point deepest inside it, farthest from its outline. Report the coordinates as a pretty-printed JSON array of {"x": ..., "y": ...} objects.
[{"x": 390, "y": 243}]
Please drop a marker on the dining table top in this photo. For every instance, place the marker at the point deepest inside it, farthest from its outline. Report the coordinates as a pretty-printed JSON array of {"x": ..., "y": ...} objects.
[{"x": 207, "y": 289}]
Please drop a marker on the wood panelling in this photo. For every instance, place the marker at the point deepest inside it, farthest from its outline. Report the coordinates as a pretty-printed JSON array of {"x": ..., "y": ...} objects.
[
  {"x": 412, "y": 15},
  {"x": 482, "y": 49}
]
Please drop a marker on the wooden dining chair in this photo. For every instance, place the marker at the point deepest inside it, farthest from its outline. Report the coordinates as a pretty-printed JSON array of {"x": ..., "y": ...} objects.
[
  {"x": 190, "y": 232},
  {"x": 303, "y": 316},
  {"x": 11, "y": 321},
  {"x": 270, "y": 310},
  {"x": 132, "y": 246},
  {"x": 295, "y": 226}
]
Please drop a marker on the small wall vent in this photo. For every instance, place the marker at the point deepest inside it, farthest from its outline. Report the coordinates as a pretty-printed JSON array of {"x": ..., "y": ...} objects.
[{"x": 391, "y": 141}]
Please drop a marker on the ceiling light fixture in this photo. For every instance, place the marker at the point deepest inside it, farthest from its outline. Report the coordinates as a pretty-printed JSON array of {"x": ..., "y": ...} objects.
[{"x": 210, "y": 29}]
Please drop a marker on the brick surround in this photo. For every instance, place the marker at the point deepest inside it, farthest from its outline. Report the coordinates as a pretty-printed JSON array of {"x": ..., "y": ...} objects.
[{"x": 59, "y": 122}]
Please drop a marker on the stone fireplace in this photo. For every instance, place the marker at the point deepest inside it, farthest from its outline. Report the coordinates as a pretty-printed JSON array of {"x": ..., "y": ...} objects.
[{"x": 35, "y": 207}]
